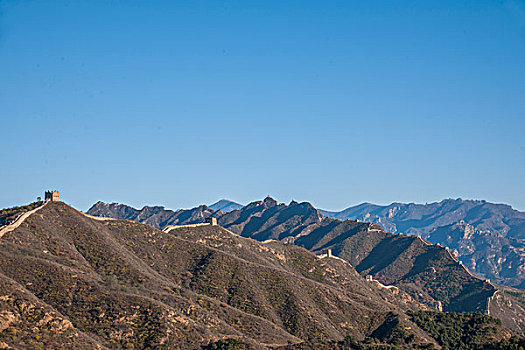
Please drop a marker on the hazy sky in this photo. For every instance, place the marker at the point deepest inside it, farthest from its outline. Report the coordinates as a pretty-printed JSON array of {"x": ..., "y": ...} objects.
[{"x": 334, "y": 102}]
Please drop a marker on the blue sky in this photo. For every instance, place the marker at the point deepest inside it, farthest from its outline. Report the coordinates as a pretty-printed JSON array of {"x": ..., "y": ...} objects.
[{"x": 334, "y": 102}]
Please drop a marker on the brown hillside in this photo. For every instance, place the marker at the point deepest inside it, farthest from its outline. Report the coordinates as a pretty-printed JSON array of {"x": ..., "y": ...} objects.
[
  {"x": 428, "y": 273},
  {"x": 122, "y": 284}
]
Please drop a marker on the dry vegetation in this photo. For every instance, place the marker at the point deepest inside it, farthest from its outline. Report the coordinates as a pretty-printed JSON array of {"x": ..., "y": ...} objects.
[{"x": 68, "y": 279}]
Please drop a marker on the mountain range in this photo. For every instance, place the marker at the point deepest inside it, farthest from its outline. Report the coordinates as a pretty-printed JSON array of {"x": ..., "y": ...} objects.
[
  {"x": 72, "y": 280},
  {"x": 430, "y": 274},
  {"x": 488, "y": 238}
]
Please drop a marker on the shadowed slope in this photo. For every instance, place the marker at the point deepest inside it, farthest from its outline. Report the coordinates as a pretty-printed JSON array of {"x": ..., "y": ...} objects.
[
  {"x": 429, "y": 273},
  {"x": 393, "y": 259}
]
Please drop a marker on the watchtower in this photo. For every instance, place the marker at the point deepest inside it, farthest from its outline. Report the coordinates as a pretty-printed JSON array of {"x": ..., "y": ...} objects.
[
  {"x": 327, "y": 253},
  {"x": 211, "y": 221},
  {"x": 52, "y": 196}
]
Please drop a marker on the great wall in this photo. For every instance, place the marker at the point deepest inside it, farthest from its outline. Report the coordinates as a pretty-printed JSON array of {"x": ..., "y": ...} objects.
[
  {"x": 15, "y": 224},
  {"x": 49, "y": 196},
  {"x": 209, "y": 222}
]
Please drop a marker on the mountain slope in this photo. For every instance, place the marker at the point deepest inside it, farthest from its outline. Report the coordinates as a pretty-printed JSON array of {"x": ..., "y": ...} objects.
[
  {"x": 489, "y": 238},
  {"x": 21, "y": 311},
  {"x": 392, "y": 259},
  {"x": 430, "y": 274},
  {"x": 121, "y": 284}
]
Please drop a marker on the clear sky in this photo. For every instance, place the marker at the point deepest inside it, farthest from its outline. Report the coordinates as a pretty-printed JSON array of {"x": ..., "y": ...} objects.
[{"x": 334, "y": 102}]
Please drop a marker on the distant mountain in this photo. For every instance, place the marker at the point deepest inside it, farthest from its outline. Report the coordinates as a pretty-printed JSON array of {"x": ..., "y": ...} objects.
[
  {"x": 225, "y": 206},
  {"x": 489, "y": 238},
  {"x": 156, "y": 216},
  {"x": 269, "y": 219},
  {"x": 430, "y": 274}
]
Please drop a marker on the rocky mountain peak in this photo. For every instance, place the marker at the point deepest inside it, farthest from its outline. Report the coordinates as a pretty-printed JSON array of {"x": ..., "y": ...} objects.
[{"x": 270, "y": 202}]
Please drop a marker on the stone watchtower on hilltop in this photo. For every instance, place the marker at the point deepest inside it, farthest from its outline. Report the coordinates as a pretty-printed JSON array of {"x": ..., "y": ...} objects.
[
  {"x": 211, "y": 221},
  {"x": 53, "y": 196}
]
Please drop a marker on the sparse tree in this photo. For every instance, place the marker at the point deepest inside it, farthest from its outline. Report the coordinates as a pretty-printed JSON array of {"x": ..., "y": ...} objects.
[{"x": 39, "y": 199}]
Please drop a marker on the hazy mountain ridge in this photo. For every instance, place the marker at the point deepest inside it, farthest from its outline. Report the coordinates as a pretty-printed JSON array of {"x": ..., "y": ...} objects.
[
  {"x": 489, "y": 238},
  {"x": 225, "y": 206},
  {"x": 396, "y": 217}
]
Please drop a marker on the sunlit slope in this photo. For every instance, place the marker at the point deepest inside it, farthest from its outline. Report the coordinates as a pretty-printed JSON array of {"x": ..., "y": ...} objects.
[{"x": 124, "y": 284}]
